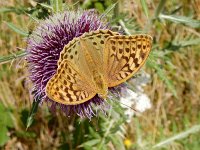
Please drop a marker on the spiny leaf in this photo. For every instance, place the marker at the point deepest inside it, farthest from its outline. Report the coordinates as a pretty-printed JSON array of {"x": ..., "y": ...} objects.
[
  {"x": 192, "y": 130},
  {"x": 181, "y": 19},
  {"x": 152, "y": 63},
  {"x": 57, "y": 5},
  {"x": 189, "y": 42},
  {"x": 17, "y": 10},
  {"x": 46, "y": 6},
  {"x": 5, "y": 59},
  {"x": 16, "y": 29}
]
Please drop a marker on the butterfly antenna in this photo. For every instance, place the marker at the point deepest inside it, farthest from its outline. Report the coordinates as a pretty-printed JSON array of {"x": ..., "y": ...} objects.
[
  {"x": 115, "y": 99},
  {"x": 127, "y": 106}
]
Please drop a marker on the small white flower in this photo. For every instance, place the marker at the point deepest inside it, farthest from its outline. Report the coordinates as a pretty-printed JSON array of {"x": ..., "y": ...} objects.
[
  {"x": 142, "y": 103},
  {"x": 138, "y": 99}
]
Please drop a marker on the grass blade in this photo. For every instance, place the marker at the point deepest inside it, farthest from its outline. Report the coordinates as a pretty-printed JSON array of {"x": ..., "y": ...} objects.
[
  {"x": 194, "y": 129},
  {"x": 108, "y": 10},
  {"x": 159, "y": 8},
  {"x": 16, "y": 29},
  {"x": 145, "y": 8}
]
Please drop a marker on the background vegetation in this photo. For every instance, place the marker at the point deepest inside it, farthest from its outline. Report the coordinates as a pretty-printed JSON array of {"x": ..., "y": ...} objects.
[{"x": 173, "y": 122}]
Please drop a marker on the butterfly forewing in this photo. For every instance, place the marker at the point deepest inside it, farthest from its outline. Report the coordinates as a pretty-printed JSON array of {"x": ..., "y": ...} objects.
[
  {"x": 87, "y": 51},
  {"x": 124, "y": 56},
  {"x": 94, "y": 45}
]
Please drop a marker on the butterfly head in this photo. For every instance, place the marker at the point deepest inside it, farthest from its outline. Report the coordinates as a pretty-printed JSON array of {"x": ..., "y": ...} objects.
[{"x": 103, "y": 94}]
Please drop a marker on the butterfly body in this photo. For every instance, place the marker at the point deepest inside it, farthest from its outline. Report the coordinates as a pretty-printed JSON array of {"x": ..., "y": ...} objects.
[
  {"x": 91, "y": 63},
  {"x": 97, "y": 72}
]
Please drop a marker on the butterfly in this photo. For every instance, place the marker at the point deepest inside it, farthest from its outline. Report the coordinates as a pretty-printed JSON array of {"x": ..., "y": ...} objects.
[{"x": 91, "y": 63}]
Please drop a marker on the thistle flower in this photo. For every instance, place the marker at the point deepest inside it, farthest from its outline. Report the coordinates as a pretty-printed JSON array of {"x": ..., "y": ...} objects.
[{"x": 44, "y": 47}]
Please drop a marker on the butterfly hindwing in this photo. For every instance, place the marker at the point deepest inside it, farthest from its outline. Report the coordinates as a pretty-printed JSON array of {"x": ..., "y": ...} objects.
[
  {"x": 69, "y": 86},
  {"x": 124, "y": 56}
]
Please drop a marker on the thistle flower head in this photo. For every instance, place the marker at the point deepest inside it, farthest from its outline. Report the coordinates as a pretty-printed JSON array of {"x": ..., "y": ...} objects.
[{"x": 44, "y": 47}]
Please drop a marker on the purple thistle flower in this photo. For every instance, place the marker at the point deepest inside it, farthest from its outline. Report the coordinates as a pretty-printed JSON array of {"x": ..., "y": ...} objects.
[{"x": 44, "y": 47}]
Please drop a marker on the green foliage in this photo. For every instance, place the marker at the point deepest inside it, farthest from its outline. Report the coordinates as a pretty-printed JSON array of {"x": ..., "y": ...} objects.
[
  {"x": 151, "y": 62},
  {"x": 108, "y": 11},
  {"x": 181, "y": 19},
  {"x": 57, "y": 5},
  {"x": 193, "y": 130},
  {"x": 33, "y": 111},
  {"x": 4, "y": 59},
  {"x": 101, "y": 6},
  {"x": 5, "y": 123},
  {"x": 18, "y": 10},
  {"x": 109, "y": 129}
]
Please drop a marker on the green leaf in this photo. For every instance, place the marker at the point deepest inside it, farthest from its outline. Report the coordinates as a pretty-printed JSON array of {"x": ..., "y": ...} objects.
[
  {"x": 108, "y": 10},
  {"x": 99, "y": 6},
  {"x": 117, "y": 141},
  {"x": 57, "y": 5},
  {"x": 184, "y": 134},
  {"x": 33, "y": 111},
  {"x": 46, "y": 6},
  {"x": 26, "y": 134},
  {"x": 93, "y": 133},
  {"x": 24, "y": 116},
  {"x": 5, "y": 9},
  {"x": 152, "y": 63},
  {"x": 17, "y": 10},
  {"x": 5, "y": 116},
  {"x": 181, "y": 19},
  {"x": 16, "y": 29},
  {"x": 145, "y": 8},
  {"x": 64, "y": 146},
  {"x": 5, "y": 121},
  {"x": 5, "y": 59},
  {"x": 189, "y": 42},
  {"x": 3, "y": 135},
  {"x": 90, "y": 143}
]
